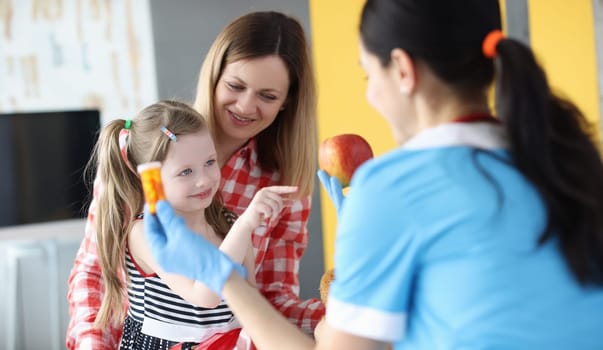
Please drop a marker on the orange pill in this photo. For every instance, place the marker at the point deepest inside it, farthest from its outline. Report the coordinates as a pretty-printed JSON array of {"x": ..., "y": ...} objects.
[{"x": 150, "y": 176}]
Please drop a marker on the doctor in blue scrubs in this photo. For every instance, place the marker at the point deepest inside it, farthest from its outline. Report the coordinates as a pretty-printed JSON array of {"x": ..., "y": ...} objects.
[{"x": 481, "y": 230}]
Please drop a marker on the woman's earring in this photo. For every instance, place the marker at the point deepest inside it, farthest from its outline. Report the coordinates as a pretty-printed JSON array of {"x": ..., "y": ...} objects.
[{"x": 404, "y": 90}]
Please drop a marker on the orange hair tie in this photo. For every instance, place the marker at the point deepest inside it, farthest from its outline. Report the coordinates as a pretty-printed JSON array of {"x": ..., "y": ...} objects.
[{"x": 490, "y": 43}]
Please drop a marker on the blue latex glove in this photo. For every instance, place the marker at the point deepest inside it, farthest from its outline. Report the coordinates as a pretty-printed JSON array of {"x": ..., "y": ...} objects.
[
  {"x": 333, "y": 188},
  {"x": 179, "y": 250}
]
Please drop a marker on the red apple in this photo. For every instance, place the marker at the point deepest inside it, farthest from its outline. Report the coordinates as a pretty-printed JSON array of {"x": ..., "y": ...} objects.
[{"x": 341, "y": 155}]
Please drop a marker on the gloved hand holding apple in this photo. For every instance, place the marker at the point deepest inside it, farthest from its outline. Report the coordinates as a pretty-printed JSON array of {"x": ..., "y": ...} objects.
[{"x": 338, "y": 158}]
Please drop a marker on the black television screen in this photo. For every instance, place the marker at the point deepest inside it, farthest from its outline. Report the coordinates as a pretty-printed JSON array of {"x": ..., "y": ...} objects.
[{"x": 42, "y": 159}]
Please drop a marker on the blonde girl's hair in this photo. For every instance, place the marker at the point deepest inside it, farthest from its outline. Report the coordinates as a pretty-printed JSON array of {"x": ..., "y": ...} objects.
[
  {"x": 289, "y": 145},
  {"x": 121, "y": 197}
]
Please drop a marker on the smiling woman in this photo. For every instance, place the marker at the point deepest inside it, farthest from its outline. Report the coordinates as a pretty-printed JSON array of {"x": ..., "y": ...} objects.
[
  {"x": 256, "y": 87},
  {"x": 266, "y": 55},
  {"x": 249, "y": 96}
]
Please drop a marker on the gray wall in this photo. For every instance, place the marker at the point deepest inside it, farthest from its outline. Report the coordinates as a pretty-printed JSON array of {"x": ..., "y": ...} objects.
[{"x": 183, "y": 31}]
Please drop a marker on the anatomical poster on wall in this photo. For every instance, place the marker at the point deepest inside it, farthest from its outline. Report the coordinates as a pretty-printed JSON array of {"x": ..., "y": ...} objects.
[{"x": 76, "y": 54}]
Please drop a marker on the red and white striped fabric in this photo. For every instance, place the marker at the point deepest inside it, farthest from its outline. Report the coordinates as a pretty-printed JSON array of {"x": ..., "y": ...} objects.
[{"x": 278, "y": 250}]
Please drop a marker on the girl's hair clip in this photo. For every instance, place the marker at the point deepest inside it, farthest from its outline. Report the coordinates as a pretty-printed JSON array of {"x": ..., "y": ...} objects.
[
  {"x": 128, "y": 124},
  {"x": 168, "y": 133}
]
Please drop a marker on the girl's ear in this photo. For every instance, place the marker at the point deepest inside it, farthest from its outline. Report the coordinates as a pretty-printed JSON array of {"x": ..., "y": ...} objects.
[{"x": 405, "y": 71}]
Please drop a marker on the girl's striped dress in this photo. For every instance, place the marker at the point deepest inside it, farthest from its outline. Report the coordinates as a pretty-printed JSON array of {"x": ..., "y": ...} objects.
[{"x": 158, "y": 318}]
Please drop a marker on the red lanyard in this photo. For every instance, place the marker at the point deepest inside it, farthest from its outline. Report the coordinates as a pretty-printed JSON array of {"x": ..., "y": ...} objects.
[{"x": 476, "y": 117}]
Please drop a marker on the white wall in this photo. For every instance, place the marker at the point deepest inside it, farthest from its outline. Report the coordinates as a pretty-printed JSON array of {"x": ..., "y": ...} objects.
[{"x": 71, "y": 54}]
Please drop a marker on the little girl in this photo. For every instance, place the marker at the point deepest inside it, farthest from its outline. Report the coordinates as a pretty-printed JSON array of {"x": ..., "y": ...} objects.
[{"x": 166, "y": 309}]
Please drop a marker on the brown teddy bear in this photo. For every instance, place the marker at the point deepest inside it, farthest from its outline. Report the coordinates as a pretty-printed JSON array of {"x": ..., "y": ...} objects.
[{"x": 325, "y": 283}]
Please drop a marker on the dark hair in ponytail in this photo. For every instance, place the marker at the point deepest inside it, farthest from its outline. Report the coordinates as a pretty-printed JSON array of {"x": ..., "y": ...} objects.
[
  {"x": 551, "y": 141},
  {"x": 552, "y": 145}
]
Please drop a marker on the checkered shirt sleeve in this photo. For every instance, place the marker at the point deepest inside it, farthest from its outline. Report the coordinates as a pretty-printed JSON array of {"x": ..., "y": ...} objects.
[{"x": 279, "y": 248}]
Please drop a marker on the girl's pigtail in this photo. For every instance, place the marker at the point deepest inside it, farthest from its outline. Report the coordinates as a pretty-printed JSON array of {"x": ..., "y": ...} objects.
[{"x": 119, "y": 200}]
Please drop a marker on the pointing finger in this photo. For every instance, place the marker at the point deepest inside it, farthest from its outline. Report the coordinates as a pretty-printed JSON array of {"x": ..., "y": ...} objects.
[{"x": 282, "y": 189}]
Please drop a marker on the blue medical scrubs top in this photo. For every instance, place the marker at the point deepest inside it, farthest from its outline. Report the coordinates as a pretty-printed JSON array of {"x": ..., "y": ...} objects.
[{"x": 436, "y": 248}]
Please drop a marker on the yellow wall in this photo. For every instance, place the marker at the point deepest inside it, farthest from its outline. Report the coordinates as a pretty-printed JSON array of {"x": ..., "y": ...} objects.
[
  {"x": 563, "y": 38},
  {"x": 342, "y": 107},
  {"x": 567, "y": 55}
]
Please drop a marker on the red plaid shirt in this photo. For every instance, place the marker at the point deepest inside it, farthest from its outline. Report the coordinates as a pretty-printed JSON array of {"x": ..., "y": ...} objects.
[{"x": 278, "y": 250}]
